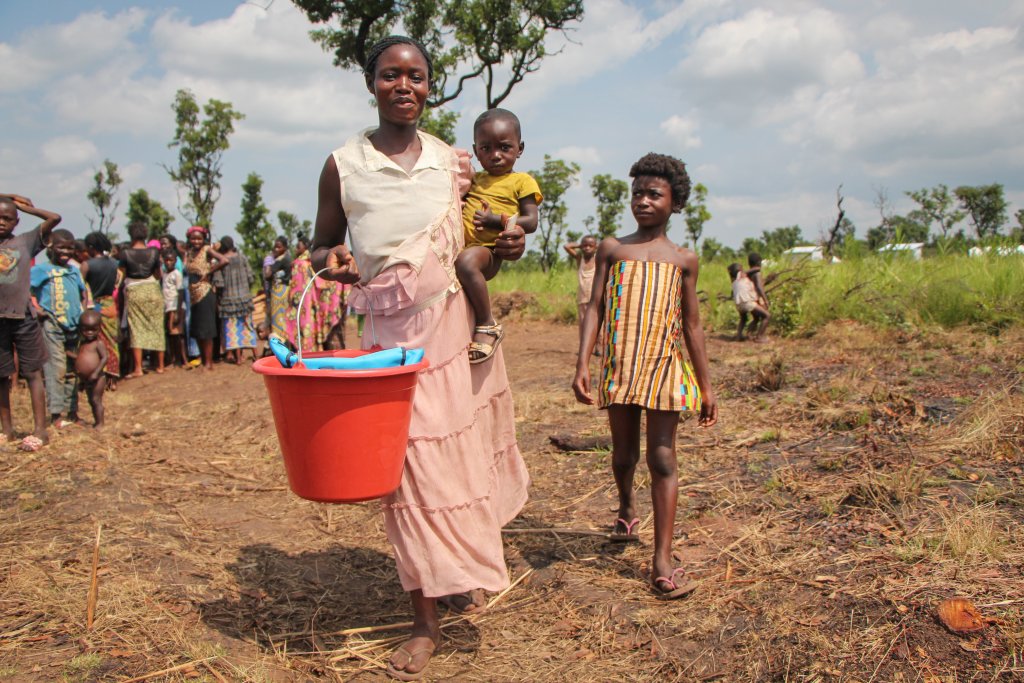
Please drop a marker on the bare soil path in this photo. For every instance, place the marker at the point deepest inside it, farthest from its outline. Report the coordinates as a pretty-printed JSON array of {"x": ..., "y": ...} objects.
[{"x": 856, "y": 479}]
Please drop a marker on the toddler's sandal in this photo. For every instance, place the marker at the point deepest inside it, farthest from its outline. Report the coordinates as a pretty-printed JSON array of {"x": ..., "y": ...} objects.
[{"x": 482, "y": 351}]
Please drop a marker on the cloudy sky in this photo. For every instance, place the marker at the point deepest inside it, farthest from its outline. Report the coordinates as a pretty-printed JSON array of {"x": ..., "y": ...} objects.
[{"x": 772, "y": 104}]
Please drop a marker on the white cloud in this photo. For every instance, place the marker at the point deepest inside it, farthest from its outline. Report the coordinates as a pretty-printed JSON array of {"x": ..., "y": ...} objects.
[
  {"x": 68, "y": 150},
  {"x": 931, "y": 98},
  {"x": 612, "y": 32},
  {"x": 760, "y": 67},
  {"x": 44, "y": 52},
  {"x": 581, "y": 155},
  {"x": 682, "y": 131}
]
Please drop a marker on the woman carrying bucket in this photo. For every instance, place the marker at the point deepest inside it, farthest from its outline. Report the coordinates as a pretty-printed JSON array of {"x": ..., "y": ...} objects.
[{"x": 395, "y": 192}]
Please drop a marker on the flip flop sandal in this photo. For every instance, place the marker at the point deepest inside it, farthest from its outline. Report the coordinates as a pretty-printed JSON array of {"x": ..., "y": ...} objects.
[
  {"x": 675, "y": 590},
  {"x": 401, "y": 675},
  {"x": 481, "y": 351},
  {"x": 630, "y": 536},
  {"x": 31, "y": 443}
]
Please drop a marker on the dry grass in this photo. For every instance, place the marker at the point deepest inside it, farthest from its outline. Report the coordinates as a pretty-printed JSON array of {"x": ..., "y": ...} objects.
[{"x": 823, "y": 539}]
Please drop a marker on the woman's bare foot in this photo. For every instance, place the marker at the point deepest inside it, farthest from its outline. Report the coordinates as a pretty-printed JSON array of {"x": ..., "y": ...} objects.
[{"x": 469, "y": 602}]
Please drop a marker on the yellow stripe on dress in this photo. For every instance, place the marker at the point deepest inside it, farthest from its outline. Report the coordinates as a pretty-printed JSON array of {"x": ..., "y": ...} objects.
[{"x": 643, "y": 361}]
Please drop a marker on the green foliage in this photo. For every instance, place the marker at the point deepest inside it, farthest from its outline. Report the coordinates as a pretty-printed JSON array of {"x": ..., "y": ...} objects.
[
  {"x": 556, "y": 177},
  {"x": 936, "y": 205},
  {"x": 712, "y": 249},
  {"x": 439, "y": 123},
  {"x": 103, "y": 196},
  {"x": 946, "y": 291},
  {"x": 610, "y": 194},
  {"x": 253, "y": 227},
  {"x": 144, "y": 209},
  {"x": 773, "y": 242},
  {"x": 201, "y": 146},
  {"x": 291, "y": 227},
  {"x": 899, "y": 230},
  {"x": 499, "y": 41},
  {"x": 696, "y": 213},
  {"x": 986, "y": 206}
]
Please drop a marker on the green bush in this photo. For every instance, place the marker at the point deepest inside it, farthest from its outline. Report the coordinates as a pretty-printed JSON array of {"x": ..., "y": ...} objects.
[{"x": 947, "y": 290}]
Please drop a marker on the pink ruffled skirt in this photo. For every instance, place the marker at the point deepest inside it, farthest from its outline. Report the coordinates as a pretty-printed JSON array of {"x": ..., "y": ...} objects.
[{"x": 464, "y": 476}]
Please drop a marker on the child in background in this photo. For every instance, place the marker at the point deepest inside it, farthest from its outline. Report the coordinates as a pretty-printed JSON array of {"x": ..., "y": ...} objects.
[
  {"x": 584, "y": 252},
  {"x": 645, "y": 296},
  {"x": 90, "y": 361},
  {"x": 744, "y": 295},
  {"x": 19, "y": 329},
  {"x": 498, "y": 199},
  {"x": 173, "y": 286},
  {"x": 59, "y": 290}
]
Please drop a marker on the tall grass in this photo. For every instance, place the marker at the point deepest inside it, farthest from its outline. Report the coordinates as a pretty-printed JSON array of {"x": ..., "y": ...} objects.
[{"x": 946, "y": 290}]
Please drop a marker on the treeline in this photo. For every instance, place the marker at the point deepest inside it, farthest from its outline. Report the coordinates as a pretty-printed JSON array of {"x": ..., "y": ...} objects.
[{"x": 945, "y": 220}]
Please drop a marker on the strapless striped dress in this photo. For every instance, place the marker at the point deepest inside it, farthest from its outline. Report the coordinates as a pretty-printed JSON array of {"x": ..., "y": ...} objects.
[{"x": 643, "y": 362}]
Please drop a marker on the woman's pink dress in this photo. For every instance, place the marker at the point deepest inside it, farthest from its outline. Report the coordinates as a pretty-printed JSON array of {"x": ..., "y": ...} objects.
[{"x": 464, "y": 476}]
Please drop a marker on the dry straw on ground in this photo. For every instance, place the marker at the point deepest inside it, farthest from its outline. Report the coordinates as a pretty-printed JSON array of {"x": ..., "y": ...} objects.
[{"x": 826, "y": 520}]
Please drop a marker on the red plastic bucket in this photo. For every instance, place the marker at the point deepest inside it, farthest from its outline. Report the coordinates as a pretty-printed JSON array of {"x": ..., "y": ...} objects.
[{"x": 343, "y": 433}]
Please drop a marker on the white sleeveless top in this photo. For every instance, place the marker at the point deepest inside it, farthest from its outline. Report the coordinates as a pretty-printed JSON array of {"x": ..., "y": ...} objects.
[{"x": 385, "y": 205}]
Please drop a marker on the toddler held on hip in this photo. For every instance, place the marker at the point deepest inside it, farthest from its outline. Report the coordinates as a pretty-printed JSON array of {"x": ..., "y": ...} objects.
[{"x": 499, "y": 199}]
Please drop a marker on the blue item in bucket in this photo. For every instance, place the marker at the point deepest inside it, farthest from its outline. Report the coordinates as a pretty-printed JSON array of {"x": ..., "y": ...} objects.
[{"x": 387, "y": 358}]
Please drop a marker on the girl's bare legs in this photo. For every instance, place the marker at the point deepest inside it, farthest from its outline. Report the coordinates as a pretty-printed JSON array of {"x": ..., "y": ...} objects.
[
  {"x": 661, "y": 461},
  {"x": 414, "y": 654},
  {"x": 159, "y": 362},
  {"x": 624, "y": 421}
]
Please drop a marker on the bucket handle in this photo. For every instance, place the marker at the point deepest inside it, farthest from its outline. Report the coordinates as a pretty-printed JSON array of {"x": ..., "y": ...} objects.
[{"x": 298, "y": 315}]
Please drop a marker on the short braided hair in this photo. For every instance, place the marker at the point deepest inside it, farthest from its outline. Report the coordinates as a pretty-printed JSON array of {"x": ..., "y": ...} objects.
[
  {"x": 377, "y": 49},
  {"x": 672, "y": 170}
]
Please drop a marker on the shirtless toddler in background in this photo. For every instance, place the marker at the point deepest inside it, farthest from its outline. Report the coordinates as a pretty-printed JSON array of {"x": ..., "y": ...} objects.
[{"x": 90, "y": 361}]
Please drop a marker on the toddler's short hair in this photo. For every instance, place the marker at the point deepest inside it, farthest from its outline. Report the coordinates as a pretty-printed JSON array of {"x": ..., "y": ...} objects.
[
  {"x": 497, "y": 114},
  {"x": 672, "y": 170},
  {"x": 734, "y": 270}
]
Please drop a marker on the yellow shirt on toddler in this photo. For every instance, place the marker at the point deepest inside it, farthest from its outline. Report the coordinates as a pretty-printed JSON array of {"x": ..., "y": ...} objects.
[{"x": 502, "y": 193}]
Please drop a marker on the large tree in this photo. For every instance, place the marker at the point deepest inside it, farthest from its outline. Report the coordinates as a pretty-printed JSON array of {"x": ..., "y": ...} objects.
[
  {"x": 498, "y": 41},
  {"x": 986, "y": 206},
  {"x": 103, "y": 196},
  {"x": 201, "y": 145},
  {"x": 253, "y": 227},
  {"x": 696, "y": 214},
  {"x": 144, "y": 209},
  {"x": 610, "y": 194},
  {"x": 937, "y": 205},
  {"x": 556, "y": 177}
]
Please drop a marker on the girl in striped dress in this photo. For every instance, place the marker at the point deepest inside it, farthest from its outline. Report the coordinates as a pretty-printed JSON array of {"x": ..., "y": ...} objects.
[{"x": 645, "y": 301}]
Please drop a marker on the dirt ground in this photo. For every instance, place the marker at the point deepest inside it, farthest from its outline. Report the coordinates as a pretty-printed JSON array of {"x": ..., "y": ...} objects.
[{"x": 856, "y": 479}]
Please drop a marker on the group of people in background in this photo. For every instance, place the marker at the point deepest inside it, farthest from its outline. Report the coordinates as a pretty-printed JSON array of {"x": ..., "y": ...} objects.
[{"x": 92, "y": 312}]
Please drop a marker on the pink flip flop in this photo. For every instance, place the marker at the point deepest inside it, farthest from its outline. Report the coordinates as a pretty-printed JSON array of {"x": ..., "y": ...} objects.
[
  {"x": 630, "y": 536},
  {"x": 31, "y": 443},
  {"x": 675, "y": 590}
]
